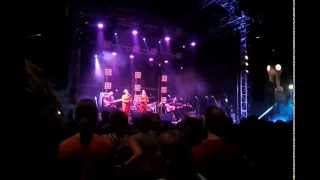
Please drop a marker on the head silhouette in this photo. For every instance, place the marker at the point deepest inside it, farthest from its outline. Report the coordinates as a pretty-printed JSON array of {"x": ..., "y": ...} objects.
[
  {"x": 86, "y": 114},
  {"x": 217, "y": 122}
]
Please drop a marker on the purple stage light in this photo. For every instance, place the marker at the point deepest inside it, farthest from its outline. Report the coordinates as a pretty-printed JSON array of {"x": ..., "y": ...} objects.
[
  {"x": 98, "y": 71},
  {"x": 96, "y": 56},
  {"x": 100, "y": 25},
  {"x": 114, "y": 53},
  {"x": 183, "y": 46},
  {"x": 131, "y": 56},
  {"x": 151, "y": 59},
  {"x": 181, "y": 67},
  {"x": 144, "y": 39},
  {"x": 134, "y": 32},
  {"x": 193, "y": 44},
  {"x": 167, "y": 38},
  {"x": 116, "y": 34},
  {"x": 166, "y": 61},
  {"x": 159, "y": 42}
]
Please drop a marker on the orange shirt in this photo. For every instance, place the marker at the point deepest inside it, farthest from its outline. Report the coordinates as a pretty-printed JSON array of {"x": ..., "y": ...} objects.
[{"x": 71, "y": 148}]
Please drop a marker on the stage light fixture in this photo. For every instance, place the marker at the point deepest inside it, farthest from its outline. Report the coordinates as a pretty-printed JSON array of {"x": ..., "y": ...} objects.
[
  {"x": 144, "y": 39},
  {"x": 246, "y": 57},
  {"x": 278, "y": 67},
  {"x": 290, "y": 87},
  {"x": 96, "y": 56},
  {"x": 151, "y": 59},
  {"x": 166, "y": 61},
  {"x": 131, "y": 56},
  {"x": 100, "y": 25},
  {"x": 246, "y": 63},
  {"x": 159, "y": 41},
  {"x": 247, "y": 71},
  {"x": 134, "y": 32},
  {"x": 181, "y": 67},
  {"x": 183, "y": 46},
  {"x": 268, "y": 68},
  {"x": 114, "y": 54},
  {"x": 167, "y": 38},
  {"x": 116, "y": 34},
  {"x": 193, "y": 44}
]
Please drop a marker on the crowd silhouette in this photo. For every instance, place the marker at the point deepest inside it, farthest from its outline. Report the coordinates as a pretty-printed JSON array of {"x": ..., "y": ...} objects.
[{"x": 108, "y": 147}]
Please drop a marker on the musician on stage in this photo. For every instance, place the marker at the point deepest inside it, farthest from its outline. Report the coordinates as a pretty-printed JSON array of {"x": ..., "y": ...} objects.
[
  {"x": 126, "y": 101},
  {"x": 143, "y": 102},
  {"x": 108, "y": 101}
]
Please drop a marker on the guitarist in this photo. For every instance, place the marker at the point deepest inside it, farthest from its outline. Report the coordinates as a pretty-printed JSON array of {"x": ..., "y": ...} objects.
[{"x": 108, "y": 100}]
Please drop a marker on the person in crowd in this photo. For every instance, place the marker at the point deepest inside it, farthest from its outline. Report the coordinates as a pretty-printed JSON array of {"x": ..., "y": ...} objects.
[
  {"x": 41, "y": 131},
  {"x": 146, "y": 161},
  {"x": 85, "y": 155},
  {"x": 177, "y": 154},
  {"x": 193, "y": 130},
  {"x": 267, "y": 144},
  {"x": 215, "y": 157}
]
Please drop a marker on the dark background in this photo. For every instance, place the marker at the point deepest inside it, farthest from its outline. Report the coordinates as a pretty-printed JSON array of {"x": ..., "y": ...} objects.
[{"x": 271, "y": 21}]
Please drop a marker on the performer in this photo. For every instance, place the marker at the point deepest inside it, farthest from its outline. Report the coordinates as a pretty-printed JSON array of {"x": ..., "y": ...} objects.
[
  {"x": 126, "y": 100},
  {"x": 143, "y": 102},
  {"x": 108, "y": 100}
]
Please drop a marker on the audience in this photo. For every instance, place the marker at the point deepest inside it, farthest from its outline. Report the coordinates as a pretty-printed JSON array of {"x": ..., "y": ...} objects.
[
  {"x": 85, "y": 155},
  {"x": 41, "y": 132},
  {"x": 146, "y": 161},
  {"x": 212, "y": 148},
  {"x": 216, "y": 157}
]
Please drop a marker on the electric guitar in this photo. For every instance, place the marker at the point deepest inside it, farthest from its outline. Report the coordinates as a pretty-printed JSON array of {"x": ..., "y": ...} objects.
[
  {"x": 170, "y": 108},
  {"x": 107, "y": 103}
]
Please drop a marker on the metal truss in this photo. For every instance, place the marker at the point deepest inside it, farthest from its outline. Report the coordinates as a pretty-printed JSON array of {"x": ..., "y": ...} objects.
[{"x": 240, "y": 23}]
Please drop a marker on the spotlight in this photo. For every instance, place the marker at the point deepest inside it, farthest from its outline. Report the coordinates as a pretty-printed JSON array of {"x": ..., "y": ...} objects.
[
  {"x": 290, "y": 87},
  {"x": 131, "y": 56},
  {"x": 226, "y": 100},
  {"x": 167, "y": 38},
  {"x": 246, "y": 63},
  {"x": 100, "y": 25},
  {"x": 183, "y": 46},
  {"x": 151, "y": 59},
  {"x": 116, "y": 34},
  {"x": 193, "y": 44},
  {"x": 247, "y": 71},
  {"x": 268, "y": 68},
  {"x": 59, "y": 112},
  {"x": 181, "y": 67},
  {"x": 257, "y": 37},
  {"x": 114, "y": 53},
  {"x": 96, "y": 56},
  {"x": 246, "y": 57},
  {"x": 278, "y": 67},
  {"x": 159, "y": 42},
  {"x": 166, "y": 61},
  {"x": 144, "y": 39},
  {"x": 134, "y": 32}
]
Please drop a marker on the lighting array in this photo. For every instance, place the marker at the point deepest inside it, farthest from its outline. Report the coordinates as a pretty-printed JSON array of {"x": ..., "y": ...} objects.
[{"x": 135, "y": 32}]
